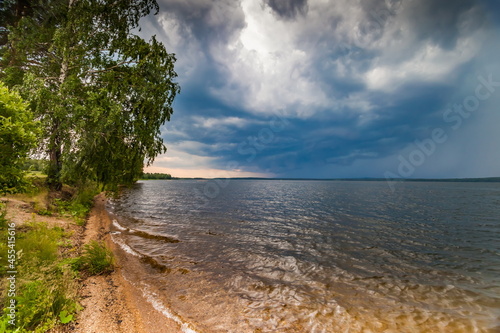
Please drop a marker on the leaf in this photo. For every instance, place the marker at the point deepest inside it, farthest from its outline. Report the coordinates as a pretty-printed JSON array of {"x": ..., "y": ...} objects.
[{"x": 65, "y": 317}]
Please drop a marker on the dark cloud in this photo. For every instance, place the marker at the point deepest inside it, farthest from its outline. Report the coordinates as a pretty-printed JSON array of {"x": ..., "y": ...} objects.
[
  {"x": 380, "y": 10},
  {"x": 337, "y": 139},
  {"x": 494, "y": 12},
  {"x": 288, "y": 9},
  {"x": 209, "y": 21},
  {"x": 443, "y": 22}
]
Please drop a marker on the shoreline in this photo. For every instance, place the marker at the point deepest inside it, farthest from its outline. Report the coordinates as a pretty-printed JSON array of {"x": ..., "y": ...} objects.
[{"x": 111, "y": 303}]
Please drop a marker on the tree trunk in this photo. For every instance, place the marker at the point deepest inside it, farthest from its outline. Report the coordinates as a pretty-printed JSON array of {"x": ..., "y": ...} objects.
[
  {"x": 55, "y": 165},
  {"x": 55, "y": 149}
]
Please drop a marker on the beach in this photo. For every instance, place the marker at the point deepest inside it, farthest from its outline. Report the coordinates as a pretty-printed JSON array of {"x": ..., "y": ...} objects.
[{"x": 110, "y": 303}]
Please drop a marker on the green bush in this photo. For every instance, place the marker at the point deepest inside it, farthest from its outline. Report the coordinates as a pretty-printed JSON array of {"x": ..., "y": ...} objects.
[
  {"x": 74, "y": 209},
  {"x": 18, "y": 135},
  {"x": 39, "y": 304}
]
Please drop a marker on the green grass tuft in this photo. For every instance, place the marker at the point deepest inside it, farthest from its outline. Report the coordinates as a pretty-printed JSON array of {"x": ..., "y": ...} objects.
[{"x": 97, "y": 259}]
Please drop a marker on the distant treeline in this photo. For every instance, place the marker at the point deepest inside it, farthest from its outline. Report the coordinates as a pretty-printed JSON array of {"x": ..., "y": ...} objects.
[{"x": 147, "y": 175}]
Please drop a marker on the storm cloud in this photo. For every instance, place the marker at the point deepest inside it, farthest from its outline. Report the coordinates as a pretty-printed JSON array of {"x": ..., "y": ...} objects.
[
  {"x": 288, "y": 8},
  {"x": 352, "y": 86}
]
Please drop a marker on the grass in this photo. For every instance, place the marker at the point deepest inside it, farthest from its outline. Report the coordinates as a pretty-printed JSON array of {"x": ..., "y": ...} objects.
[
  {"x": 68, "y": 202},
  {"x": 37, "y": 196},
  {"x": 36, "y": 174},
  {"x": 96, "y": 259},
  {"x": 45, "y": 286},
  {"x": 47, "y": 277},
  {"x": 3, "y": 242}
]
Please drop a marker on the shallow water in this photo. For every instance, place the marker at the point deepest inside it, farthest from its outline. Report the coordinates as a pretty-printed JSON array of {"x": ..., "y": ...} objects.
[{"x": 316, "y": 256}]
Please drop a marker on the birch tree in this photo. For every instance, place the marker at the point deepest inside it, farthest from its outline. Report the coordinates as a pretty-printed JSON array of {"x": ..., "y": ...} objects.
[{"x": 101, "y": 91}]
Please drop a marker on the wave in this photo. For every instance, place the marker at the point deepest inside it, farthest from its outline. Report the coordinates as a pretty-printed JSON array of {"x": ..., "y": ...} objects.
[
  {"x": 124, "y": 246},
  {"x": 148, "y": 235},
  {"x": 119, "y": 226},
  {"x": 143, "y": 234},
  {"x": 315, "y": 257}
]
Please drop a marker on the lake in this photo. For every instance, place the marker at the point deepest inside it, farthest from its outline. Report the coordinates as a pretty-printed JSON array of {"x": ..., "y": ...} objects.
[{"x": 315, "y": 256}]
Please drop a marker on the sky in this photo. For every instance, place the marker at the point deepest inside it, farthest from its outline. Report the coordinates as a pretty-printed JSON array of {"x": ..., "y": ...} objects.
[{"x": 332, "y": 89}]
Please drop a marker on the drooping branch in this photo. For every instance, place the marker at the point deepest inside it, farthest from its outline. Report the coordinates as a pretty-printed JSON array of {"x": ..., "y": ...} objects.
[{"x": 125, "y": 62}]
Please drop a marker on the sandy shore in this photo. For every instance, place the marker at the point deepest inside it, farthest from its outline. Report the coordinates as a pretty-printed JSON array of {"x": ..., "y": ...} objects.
[{"x": 111, "y": 304}]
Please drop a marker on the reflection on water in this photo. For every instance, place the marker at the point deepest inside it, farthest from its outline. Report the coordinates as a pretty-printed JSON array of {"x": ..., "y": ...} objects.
[{"x": 319, "y": 256}]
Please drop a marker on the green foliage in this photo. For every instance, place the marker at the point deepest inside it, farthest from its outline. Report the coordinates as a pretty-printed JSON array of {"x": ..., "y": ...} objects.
[
  {"x": 100, "y": 91},
  {"x": 10, "y": 11},
  {"x": 97, "y": 259},
  {"x": 78, "y": 207},
  {"x": 156, "y": 176},
  {"x": 3, "y": 241},
  {"x": 44, "y": 212},
  {"x": 65, "y": 317},
  {"x": 32, "y": 164},
  {"x": 74, "y": 209},
  {"x": 18, "y": 135},
  {"x": 85, "y": 195},
  {"x": 45, "y": 284}
]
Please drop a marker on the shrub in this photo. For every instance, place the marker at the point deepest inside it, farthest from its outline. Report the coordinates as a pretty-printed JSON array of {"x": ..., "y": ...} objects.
[{"x": 18, "y": 135}]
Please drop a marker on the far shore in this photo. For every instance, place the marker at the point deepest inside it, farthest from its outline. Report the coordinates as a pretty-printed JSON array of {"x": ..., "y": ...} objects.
[{"x": 445, "y": 180}]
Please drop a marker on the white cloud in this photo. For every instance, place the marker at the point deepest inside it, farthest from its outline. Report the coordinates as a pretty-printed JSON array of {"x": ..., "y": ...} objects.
[
  {"x": 268, "y": 64},
  {"x": 266, "y": 70},
  {"x": 178, "y": 38},
  {"x": 211, "y": 123},
  {"x": 185, "y": 159},
  {"x": 177, "y": 157},
  {"x": 405, "y": 56},
  {"x": 430, "y": 64}
]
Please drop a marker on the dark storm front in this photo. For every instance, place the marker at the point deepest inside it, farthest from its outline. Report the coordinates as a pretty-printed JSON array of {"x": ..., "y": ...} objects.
[{"x": 320, "y": 256}]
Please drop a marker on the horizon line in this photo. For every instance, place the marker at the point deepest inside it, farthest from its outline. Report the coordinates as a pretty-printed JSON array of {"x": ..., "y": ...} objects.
[{"x": 461, "y": 179}]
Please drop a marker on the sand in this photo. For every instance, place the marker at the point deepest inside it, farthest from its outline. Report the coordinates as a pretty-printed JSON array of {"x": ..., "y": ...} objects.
[{"x": 110, "y": 303}]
